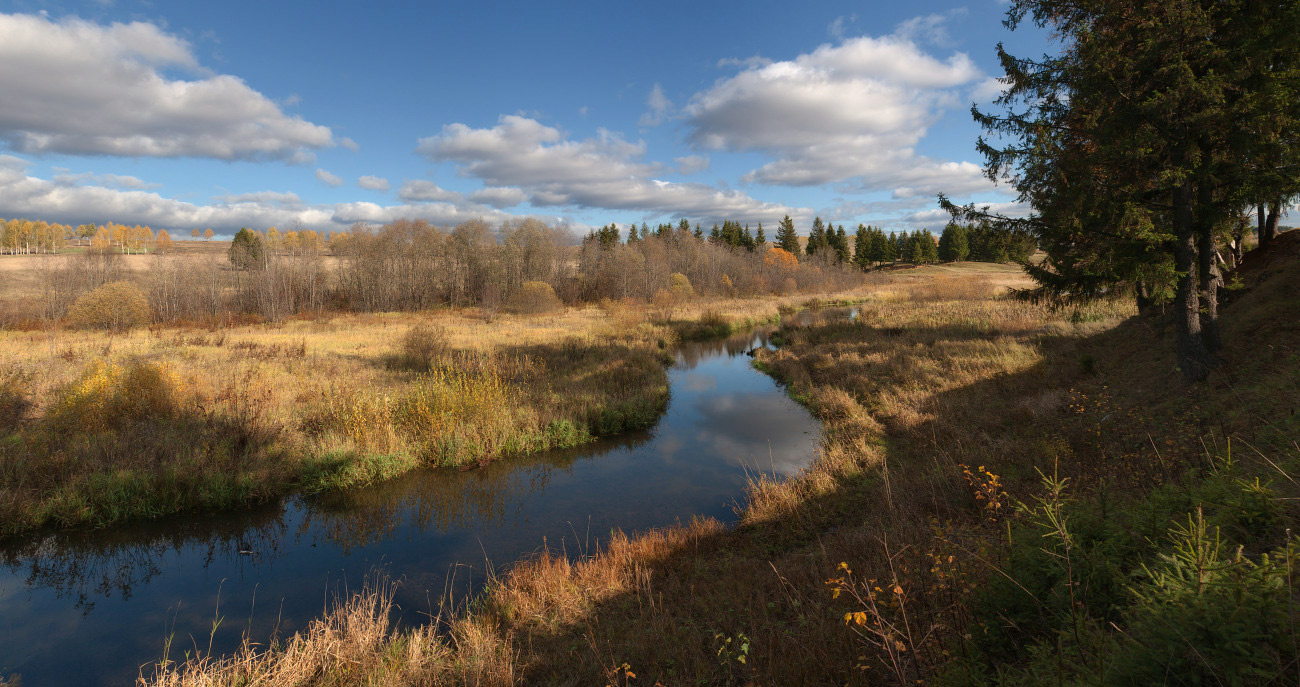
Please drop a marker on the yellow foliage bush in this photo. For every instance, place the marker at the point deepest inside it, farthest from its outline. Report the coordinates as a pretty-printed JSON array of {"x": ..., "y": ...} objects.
[
  {"x": 679, "y": 285},
  {"x": 109, "y": 396},
  {"x": 533, "y": 298},
  {"x": 117, "y": 306}
]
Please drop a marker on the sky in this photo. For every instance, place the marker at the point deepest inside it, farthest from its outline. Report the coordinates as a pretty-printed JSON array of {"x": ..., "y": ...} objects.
[{"x": 323, "y": 114}]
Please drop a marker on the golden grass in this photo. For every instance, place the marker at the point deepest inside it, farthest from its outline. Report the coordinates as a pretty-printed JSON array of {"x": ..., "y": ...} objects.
[{"x": 894, "y": 389}]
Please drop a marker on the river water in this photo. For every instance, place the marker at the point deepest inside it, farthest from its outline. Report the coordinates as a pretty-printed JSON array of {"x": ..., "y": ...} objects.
[{"x": 95, "y": 607}]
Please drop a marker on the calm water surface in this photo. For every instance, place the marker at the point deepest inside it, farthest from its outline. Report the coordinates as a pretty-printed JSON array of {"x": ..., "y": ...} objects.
[{"x": 93, "y": 608}]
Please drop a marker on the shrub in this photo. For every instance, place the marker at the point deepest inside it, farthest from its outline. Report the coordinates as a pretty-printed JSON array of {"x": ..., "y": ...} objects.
[
  {"x": 110, "y": 397},
  {"x": 14, "y": 387},
  {"x": 117, "y": 306},
  {"x": 533, "y": 298},
  {"x": 423, "y": 347},
  {"x": 680, "y": 287}
]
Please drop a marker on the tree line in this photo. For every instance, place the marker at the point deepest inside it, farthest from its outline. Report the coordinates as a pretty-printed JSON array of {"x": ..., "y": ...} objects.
[{"x": 35, "y": 237}]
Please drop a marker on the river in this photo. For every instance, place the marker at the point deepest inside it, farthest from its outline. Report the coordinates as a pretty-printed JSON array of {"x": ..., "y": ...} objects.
[{"x": 95, "y": 607}]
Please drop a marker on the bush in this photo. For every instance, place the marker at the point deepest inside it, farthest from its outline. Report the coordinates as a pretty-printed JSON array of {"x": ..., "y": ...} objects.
[
  {"x": 110, "y": 397},
  {"x": 533, "y": 298},
  {"x": 117, "y": 306},
  {"x": 423, "y": 347},
  {"x": 680, "y": 287},
  {"x": 14, "y": 403}
]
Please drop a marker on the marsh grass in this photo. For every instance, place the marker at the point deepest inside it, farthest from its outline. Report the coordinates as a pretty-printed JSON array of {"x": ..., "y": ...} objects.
[
  {"x": 101, "y": 426},
  {"x": 982, "y": 511}
]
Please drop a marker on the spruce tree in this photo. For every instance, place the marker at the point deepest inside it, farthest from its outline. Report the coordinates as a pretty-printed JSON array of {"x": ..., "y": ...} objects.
[
  {"x": 246, "y": 251},
  {"x": 786, "y": 238},
  {"x": 862, "y": 247},
  {"x": 842, "y": 244},
  {"x": 953, "y": 246},
  {"x": 759, "y": 239},
  {"x": 817, "y": 237}
]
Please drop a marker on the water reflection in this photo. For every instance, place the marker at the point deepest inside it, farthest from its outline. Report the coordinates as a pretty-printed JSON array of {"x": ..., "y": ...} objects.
[{"x": 109, "y": 598}]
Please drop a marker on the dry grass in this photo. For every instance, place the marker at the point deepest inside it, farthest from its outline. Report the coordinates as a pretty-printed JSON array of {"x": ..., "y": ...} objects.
[
  {"x": 702, "y": 604},
  {"x": 322, "y": 403},
  {"x": 939, "y": 411}
]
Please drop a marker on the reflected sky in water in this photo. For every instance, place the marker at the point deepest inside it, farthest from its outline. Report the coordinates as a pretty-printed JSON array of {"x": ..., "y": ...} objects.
[{"x": 94, "y": 607}]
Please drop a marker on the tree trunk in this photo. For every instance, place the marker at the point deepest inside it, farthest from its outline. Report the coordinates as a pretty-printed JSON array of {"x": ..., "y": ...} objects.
[
  {"x": 1210, "y": 276},
  {"x": 1261, "y": 215},
  {"x": 1270, "y": 223},
  {"x": 1193, "y": 357}
]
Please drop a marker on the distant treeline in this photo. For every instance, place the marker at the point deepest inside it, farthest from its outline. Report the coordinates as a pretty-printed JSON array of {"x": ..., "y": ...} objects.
[{"x": 870, "y": 246}]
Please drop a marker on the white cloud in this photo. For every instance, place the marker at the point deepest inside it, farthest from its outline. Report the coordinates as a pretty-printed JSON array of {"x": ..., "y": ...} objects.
[
  {"x": 988, "y": 90},
  {"x": 328, "y": 179},
  {"x": 659, "y": 106},
  {"x": 851, "y": 112},
  {"x": 420, "y": 190},
  {"x": 349, "y": 144},
  {"x": 373, "y": 183},
  {"x": 931, "y": 28},
  {"x": 110, "y": 180},
  {"x": 745, "y": 62},
  {"x": 603, "y": 172},
  {"x": 26, "y": 196},
  {"x": 76, "y": 87},
  {"x": 266, "y": 197},
  {"x": 499, "y": 196},
  {"x": 691, "y": 164},
  {"x": 836, "y": 27}
]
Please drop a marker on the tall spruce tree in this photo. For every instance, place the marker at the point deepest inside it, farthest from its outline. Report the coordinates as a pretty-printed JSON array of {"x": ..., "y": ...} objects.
[
  {"x": 1139, "y": 143},
  {"x": 862, "y": 247},
  {"x": 953, "y": 245},
  {"x": 816, "y": 237},
  {"x": 786, "y": 238}
]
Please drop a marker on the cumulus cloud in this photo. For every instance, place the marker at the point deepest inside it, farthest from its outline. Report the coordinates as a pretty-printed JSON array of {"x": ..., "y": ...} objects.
[
  {"x": 80, "y": 88},
  {"x": 604, "y": 172},
  {"x": 850, "y": 112},
  {"x": 418, "y": 190},
  {"x": 110, "y": 180},
  {"x": 328, "y": 179},
  {"x": 499, "y": 196},
  {"x": 690, "y": 164},
  {"x": 26, "y": 196},
  {"x": 988, "y": 90},
  {"x": 268, "y": 197},
  {"x": 659, "y": 106},
  {"x": 373, "y": 183}
]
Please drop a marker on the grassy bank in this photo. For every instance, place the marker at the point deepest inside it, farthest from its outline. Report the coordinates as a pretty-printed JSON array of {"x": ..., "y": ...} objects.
[
  {"x": 1004, "y": 495},
  {"x": 97, "y": 428}
]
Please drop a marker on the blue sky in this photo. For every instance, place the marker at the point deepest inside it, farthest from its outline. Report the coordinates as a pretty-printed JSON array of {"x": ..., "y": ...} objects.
[{"x": 255, "y": 114}]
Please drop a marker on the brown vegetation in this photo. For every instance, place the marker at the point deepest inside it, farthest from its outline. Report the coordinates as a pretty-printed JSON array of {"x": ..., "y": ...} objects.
[{"x": 941, "y": 414}]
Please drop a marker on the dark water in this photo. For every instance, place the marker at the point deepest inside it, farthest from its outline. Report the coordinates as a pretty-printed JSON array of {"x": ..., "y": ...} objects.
[{"x": 92, "y": 608}]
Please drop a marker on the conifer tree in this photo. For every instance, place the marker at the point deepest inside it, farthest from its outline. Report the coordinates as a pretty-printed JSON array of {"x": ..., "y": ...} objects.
[
  {"x": 816, "y": 237},
  {"x": 759, "y": 239},
  {"x": 862, "y": 247},
  {"x": 953, "y": 246},
  {"x": 786, "y": 238},
  {"x": 842, "y": 244}
]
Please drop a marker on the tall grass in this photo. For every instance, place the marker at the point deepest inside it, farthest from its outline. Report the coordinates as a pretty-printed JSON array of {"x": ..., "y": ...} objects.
[{"x": 985, "y": 509}]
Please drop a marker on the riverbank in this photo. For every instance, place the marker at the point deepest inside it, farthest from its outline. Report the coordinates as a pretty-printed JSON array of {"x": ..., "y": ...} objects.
[
  {"x": 942, "y": 403},
  {"x": 101, "y": 429}
]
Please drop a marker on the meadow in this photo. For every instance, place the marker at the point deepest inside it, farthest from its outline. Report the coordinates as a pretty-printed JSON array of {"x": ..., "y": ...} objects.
[
  {"x": 105, "y": 424},
  {"x": 1005, "y": 494}
]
